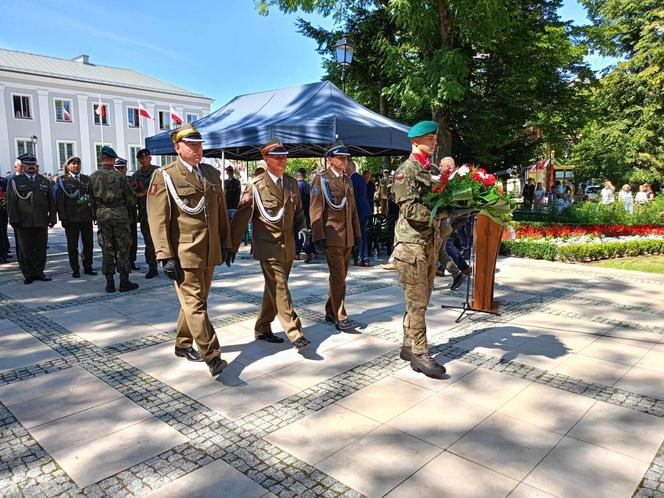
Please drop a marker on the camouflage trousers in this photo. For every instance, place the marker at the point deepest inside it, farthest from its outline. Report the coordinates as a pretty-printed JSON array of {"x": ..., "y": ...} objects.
[
  {"x": 416, "y": 265},
  {"x": 114, "y": 239}
]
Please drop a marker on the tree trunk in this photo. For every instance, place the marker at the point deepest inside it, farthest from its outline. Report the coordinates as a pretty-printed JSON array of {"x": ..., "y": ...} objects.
[
  {"x": 382, "y": 103},
  {"x": 444, "y": 147}
]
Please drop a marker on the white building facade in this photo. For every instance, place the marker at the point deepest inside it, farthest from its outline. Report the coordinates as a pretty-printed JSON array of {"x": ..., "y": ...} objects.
[{"x": 50, "y": 107}]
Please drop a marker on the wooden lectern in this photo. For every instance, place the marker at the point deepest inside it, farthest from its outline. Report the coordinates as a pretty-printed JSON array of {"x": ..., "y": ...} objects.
[{"x": 486, "y": 241}]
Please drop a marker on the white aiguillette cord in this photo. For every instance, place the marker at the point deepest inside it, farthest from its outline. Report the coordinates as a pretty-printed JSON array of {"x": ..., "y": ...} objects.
[
  {"x": 183, "y": 207},
  {"x": 326, "y": 194},
  {"x": 259, "y": 204},
  {"x": 26, "y": 197},
  {"x": 71, "y": 196}
]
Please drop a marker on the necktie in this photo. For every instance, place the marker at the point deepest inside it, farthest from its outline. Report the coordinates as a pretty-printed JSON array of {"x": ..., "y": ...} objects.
[
  {"x": 76, "y": 176},
  {"x": 280, "y": 185}
]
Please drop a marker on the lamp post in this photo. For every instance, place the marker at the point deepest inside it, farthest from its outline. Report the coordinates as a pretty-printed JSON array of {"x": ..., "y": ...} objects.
[
  {"x": 344, "y": 49},
  {"x": 34, "y": 139}
]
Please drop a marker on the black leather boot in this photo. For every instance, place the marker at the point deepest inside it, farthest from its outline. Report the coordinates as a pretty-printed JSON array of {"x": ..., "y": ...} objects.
[
  {"x": 110, "y": 284},
  {"x": 425, "y": 364},
  {"x": 125, "y": 284}
]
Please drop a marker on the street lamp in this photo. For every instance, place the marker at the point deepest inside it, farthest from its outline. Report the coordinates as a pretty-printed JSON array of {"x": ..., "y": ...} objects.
[
  {"x": 344, "y": 49},
  {"x": 34, "y": 139}
]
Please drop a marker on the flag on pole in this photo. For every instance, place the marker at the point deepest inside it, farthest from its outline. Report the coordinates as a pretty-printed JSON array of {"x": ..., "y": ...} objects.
[
  {"x": 65, "y": 113},
  {"x": 142, "y": 111},
  {"x": 175, "y": 117},
  {"x": 101, "y": 110}
]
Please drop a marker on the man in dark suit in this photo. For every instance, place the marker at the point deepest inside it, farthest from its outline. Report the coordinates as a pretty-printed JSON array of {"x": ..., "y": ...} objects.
[
  {"x": 361, "y": 251},
  {"x": 301, "y": 243}
]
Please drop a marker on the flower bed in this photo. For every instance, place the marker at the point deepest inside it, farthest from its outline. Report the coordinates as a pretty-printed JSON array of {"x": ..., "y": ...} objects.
[
  {"x": 583, "y": 248},
  {"x": 541, "y": 230}
]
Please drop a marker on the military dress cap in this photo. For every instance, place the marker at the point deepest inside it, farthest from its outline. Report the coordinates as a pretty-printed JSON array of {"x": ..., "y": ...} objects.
[
  {"x": 143, "y": 153},
  {"x": 386, "y": 171},
  {"x": 73, "y": 159},
  {"x": 27, "y": 158},
  {"x": 423, "y": 128},
  {"x": 186, "y": 133},
  {"x": 274, "y": 148},
  {"x": 120, "y": 163},
  {"x": 337, "y": 150},
  {"x": 108, "y": 151},
  {"x": 229, "y": 167}
]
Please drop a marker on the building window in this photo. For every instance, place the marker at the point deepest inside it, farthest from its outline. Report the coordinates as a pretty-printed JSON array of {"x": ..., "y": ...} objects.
[
  {"x": 22, "y": 107},
  {"x": 133, "y": 162},
  {"x": 98, "y": 146},
  {"x": 65, "y": 151},
  {"x": 100, "y": 115},
  {"x": 63, "y": 110},
  {"x": 165, "y": 120},
  {"x": 190, "y": 117},
  {"x": 132, "y": 117},
  {"x": 25, "y": 146},
  {"x": 168, "y": 160}
]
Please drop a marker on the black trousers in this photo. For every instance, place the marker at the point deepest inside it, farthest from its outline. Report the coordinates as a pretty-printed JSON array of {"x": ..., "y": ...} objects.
[
  {"x": 32, "y": 241},
  {"x": 73, "y": 232},
  {"x": 4, "y": 236},
  {"x": 133, "y": 249},
  {"x": 150, "y": 255}
]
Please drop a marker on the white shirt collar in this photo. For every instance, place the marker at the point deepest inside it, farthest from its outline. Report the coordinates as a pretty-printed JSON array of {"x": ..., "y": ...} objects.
[
  {"x": 187, "y": 165},
  {"x": 274, "y": 177},
  {"x": 335, "y": 172}
]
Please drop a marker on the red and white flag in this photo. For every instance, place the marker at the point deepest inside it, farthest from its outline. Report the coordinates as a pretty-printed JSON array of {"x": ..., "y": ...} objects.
[
  {"x": 142, "y": 111},
  {"x": 101, "y": 110},
  {"x": 175, "y": 117},
  {"x": 65, "y": 114}
]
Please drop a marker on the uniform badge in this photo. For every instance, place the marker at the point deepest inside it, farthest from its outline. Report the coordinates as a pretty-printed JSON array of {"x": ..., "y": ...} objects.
[
  {"x": 185, "y": 202},
  {"x": 153, "y": 189},
  {"x": 245, "y": 199},
  {"x": 314, "y": 190},
  {"x": 401, "y": 176},
  {"x": 291, "y": 195}
]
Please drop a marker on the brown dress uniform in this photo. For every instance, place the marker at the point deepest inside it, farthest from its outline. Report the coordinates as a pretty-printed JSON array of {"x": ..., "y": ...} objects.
[
  {"x": 75, "y": 214},
  {"x": 194, "y": 239},
  {"x": 273, "y": 244},
  {"x": 31, "y": 210},
  {"x": 338, "y": 227}
]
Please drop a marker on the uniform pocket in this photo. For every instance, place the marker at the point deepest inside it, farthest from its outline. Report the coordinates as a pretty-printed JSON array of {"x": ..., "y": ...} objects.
[{"x": 185, "y": 191}]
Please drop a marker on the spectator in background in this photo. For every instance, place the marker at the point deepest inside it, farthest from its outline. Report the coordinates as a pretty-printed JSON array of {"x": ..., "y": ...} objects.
[
  {"x": 641, "y": 196},
  {"x": 4, "y": 220},
  {"x": 304, "y": 245},
  {"x": 232, "y": 189},
  {"x": 360, "y": 252},
  {"x": 649, "y": 192},
  {"x": 528, "y": 194},
  {"x": 560, "y": 204},
  {"x": 625, "y": 196},
  {"x": 538, "y": 194},
  {"x": 607, "y": 193},
  {"x": 371, "y": 190}
]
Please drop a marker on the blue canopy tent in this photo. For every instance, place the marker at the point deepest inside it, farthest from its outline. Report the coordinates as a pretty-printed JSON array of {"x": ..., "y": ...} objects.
[{"x": 306, "y": 118}]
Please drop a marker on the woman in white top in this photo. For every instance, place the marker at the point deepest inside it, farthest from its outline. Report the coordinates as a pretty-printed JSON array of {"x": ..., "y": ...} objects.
[
  {"x": 625, "y": 196},
  {"x": 607, "y": 193},
  {"x": 641, "y": 196},
  {"x": 538, "y": 194}
]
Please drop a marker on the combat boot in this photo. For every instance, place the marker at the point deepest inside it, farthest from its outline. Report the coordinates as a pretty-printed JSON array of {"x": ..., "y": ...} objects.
[
  {"x": 125, "y": 284},
  {"x": 406, "y": 353},
  {"x": 425, "y": 364},
  {"x": 152, "y": 272},
  {"x": 110, "y": 284}
]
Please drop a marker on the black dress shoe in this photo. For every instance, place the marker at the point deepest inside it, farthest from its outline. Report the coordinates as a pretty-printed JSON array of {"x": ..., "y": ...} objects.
[
  {"x": 216, "y": 366},
  {"x": 346, "y": 326},
  {"x": 406, "y": 353},
  {"x": 190, "y": 353},
  {"x": 76, "y": 274},
  {"x": 458, "y": 280},
  {"x": 89, "y": 271},
  {"x": 43, "y": 278},
  {"x": 269, "y": 337},
  {"x": 152, "y": 272},
  {"x": 28, "y": 280},
  {"x": 301, "y": 343},
  {"x": 330, "y": 318}
]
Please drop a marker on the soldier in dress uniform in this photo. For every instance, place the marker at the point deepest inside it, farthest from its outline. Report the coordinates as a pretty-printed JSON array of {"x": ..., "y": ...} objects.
[
  {"x": 112, "y": 198},
  {"x": 417, "y": 245},
  {"x": 335, "y": 230},
  {"x": 271, "y": 201},
  {"x": 232, "y": 188},
  {"x": 72, "y": 200},
  {"x": 191, "y": 233},
  {"x": 384, "y": 190},
  {"x": 31, "y": 210},
  {"x": 143, "y": 177},
  {"x": 4, "y": 220}
]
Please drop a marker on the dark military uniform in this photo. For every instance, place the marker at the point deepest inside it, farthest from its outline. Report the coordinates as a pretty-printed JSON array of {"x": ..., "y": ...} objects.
[
  {"x": 72, "y": 201},
  {"x": 339, "y": 228},
  {"x": 4, "y": 220},
  {"x": 383, "y": 194},
  {"x": 31, "y": 210},
  {"x": 143, "y": 177},
  {"x": 232, "y": 191},
  {"x": 416, "y": 251},
  {"x": 112, "y": 200}
]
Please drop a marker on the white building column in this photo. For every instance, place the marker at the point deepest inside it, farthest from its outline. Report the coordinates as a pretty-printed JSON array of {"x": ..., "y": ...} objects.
[
  {"x": 151, "y": 122},
  {"x": 46, "y": 160},
  {"x": 119, "y": 118},
  {"x": 88, "y": 161},
  {"x": 6, "y": 159}
]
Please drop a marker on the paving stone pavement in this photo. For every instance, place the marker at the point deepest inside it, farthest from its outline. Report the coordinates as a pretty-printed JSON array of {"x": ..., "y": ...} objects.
[{"x": 560, "y": 395}]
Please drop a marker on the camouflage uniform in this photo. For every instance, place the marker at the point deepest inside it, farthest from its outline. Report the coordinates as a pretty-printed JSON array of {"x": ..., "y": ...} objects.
[
  {"x": 143, "y": 177},
  {"x": 416, "y": 250},
  {"x": 112, "y": 198}
]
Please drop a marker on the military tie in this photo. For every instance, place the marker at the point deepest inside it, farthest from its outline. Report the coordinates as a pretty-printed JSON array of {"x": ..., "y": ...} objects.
[{"x": 280, "y": 186}]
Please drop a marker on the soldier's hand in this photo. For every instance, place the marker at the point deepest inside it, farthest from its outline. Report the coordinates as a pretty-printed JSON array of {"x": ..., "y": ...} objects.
[
  {"x": 228, "y": 257},
  {"x": 320, "y": 246},
  {"x": 171, "y": 268}
]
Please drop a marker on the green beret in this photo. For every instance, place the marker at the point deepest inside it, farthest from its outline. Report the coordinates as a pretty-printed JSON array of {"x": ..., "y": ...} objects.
[
  {"x": 423, "y": 128},
  {"x": 108, "y": 151}
]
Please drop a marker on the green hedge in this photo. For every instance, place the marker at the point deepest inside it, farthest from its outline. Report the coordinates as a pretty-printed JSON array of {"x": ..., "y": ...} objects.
[
  {"x": 594, "y": 213},
  {"x": 580, "y": 252}
]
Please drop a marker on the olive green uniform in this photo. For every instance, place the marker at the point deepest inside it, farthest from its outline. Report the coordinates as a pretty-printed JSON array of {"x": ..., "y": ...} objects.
[
  {"x": 75, "y": 213},
  {"x": 416, "y": 250},
  {"x": 143, "y": 177},
  {"x": 112, "y": 198},
  {"x": 31, "y": 209}
]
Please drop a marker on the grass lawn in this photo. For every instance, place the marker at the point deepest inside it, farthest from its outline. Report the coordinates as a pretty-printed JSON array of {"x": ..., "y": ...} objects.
[{"x": 650, "y": 264}]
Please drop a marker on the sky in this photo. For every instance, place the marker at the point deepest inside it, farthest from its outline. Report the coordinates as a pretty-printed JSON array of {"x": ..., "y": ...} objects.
[{"x": 219, "y": 48}]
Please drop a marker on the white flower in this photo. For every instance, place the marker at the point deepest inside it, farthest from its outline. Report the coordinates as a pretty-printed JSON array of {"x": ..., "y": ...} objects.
[{"x": 462, "y": 171}]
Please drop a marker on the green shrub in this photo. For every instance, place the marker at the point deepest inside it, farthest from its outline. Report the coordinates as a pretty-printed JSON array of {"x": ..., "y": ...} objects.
[{"x": 580, "y": 252}]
